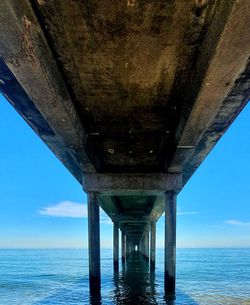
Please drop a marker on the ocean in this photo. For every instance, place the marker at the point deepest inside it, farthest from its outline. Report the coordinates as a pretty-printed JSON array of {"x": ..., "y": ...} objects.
[{"x": 60, "y": 277}]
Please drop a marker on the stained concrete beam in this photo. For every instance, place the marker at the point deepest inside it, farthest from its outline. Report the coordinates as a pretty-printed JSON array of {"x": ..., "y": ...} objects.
[
  {"x": 19, "y": 99},
  {"x": 132, "y": 225},
  {"x": 218, "y": 85},
  {"x": 28, "y": 56},
  {"x": 131, "y": 184},
  {"x": 124, "y": 219}
]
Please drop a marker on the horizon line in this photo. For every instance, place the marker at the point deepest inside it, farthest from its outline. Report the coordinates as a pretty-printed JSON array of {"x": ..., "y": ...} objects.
[{"x": 110, "y": 248}]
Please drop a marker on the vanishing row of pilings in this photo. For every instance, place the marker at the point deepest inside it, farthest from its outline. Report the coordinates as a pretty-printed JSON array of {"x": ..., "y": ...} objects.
[{"x": 148, "y": 249}]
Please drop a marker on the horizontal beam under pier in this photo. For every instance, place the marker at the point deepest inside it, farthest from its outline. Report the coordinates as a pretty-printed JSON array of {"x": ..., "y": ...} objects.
[
  {"x": 125, "y": 217},
  {"x": 124, "y": 184}
]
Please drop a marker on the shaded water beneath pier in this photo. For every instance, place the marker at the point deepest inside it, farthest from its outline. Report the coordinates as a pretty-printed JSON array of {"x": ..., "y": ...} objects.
[
  {"x": 60, "y": 277},
  {"x": 136, "y": 284}
]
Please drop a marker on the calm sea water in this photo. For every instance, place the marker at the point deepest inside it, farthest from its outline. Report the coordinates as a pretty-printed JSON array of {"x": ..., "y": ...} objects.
[{"x": 60, "y": 277}]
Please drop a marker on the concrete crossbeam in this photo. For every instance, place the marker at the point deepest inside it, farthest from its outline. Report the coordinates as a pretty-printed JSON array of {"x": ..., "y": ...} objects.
[
  {"x": 124, "y": 218},
  {"x": 130, "y": 184}
]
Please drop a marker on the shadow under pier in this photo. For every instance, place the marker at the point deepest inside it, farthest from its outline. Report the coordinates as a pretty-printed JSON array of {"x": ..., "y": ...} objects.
[{"x": 135, "y": 284}]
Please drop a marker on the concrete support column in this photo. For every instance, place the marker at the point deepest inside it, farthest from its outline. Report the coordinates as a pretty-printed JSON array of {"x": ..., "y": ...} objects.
[
  {"x": 116, "y": 245},
  {"x": 142, "y": 245},
  {"x": 170, "y": 242},
  {"x": 146, "y": 245},
  {"x": 94, "y": 242},
  {"x": 152, "y": 245},
  {"x": 123, "y": 247},
  {"x": 131, "y": 247},
  {"x": 127, "y": 247}
]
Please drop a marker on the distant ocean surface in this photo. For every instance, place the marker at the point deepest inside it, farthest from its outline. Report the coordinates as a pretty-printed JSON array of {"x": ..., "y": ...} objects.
[{"x": 60, "y": 277}]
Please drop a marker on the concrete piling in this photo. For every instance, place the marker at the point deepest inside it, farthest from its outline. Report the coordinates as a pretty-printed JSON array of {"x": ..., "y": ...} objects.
[
  {"x": 146, "y": 245},
  {"x": 94, "y": 242},
  {"x": 152, "y": 244},
  {"x": 170, "y": 242},
  {"x": 127, "y": 247},
  {"x": 116, "y": 245},
  {"x": 123, "y": 247}
]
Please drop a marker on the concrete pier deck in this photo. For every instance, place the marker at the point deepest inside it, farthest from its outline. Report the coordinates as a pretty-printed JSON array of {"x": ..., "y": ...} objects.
[{"x": 131, "y": 96}]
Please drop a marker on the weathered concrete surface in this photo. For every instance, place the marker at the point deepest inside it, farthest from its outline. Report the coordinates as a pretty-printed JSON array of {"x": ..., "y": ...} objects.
[
  {"x": 121, "y": 73},
  {"x": 124, "y": 184},
  {"x": 146, "y": 244},
  {"x": 170, "y": 242},
  {"x": 116, "y": 245},
  {"x": 27, "y": 55},
  {"x": 94, "y": 242},
  {"x": 152, "y": 244},
  {"x": 222, "y": 71},
  {"x": 131, "y": 95},
  {"x": 123, "y": 242}
]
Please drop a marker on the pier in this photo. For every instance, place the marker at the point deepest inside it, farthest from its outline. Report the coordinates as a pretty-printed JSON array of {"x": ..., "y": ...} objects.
[{"x": 131, "y": 96}]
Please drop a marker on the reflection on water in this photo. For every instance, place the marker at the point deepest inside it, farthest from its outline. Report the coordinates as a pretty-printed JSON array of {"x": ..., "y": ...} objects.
[{"x": 135, "y": 284}]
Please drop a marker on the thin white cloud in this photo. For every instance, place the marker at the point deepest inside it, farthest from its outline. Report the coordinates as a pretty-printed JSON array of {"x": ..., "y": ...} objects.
[
  {"x": 70, "y": 209},
  {"x": 187, "y": 213},
  {"x": 65, "y": 209},
  {"x": 237, "y": 222}
]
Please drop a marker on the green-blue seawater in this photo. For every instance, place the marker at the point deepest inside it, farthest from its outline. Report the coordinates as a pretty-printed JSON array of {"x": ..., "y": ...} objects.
[{"x": 60, "y": 277}]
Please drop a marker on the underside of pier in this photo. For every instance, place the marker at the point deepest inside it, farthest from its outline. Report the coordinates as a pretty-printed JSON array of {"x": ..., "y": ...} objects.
[{"x": 131, "y": 96}]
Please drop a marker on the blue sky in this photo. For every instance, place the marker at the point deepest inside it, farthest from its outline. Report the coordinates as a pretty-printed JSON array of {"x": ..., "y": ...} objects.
[{"x": 42, "y": 205}]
